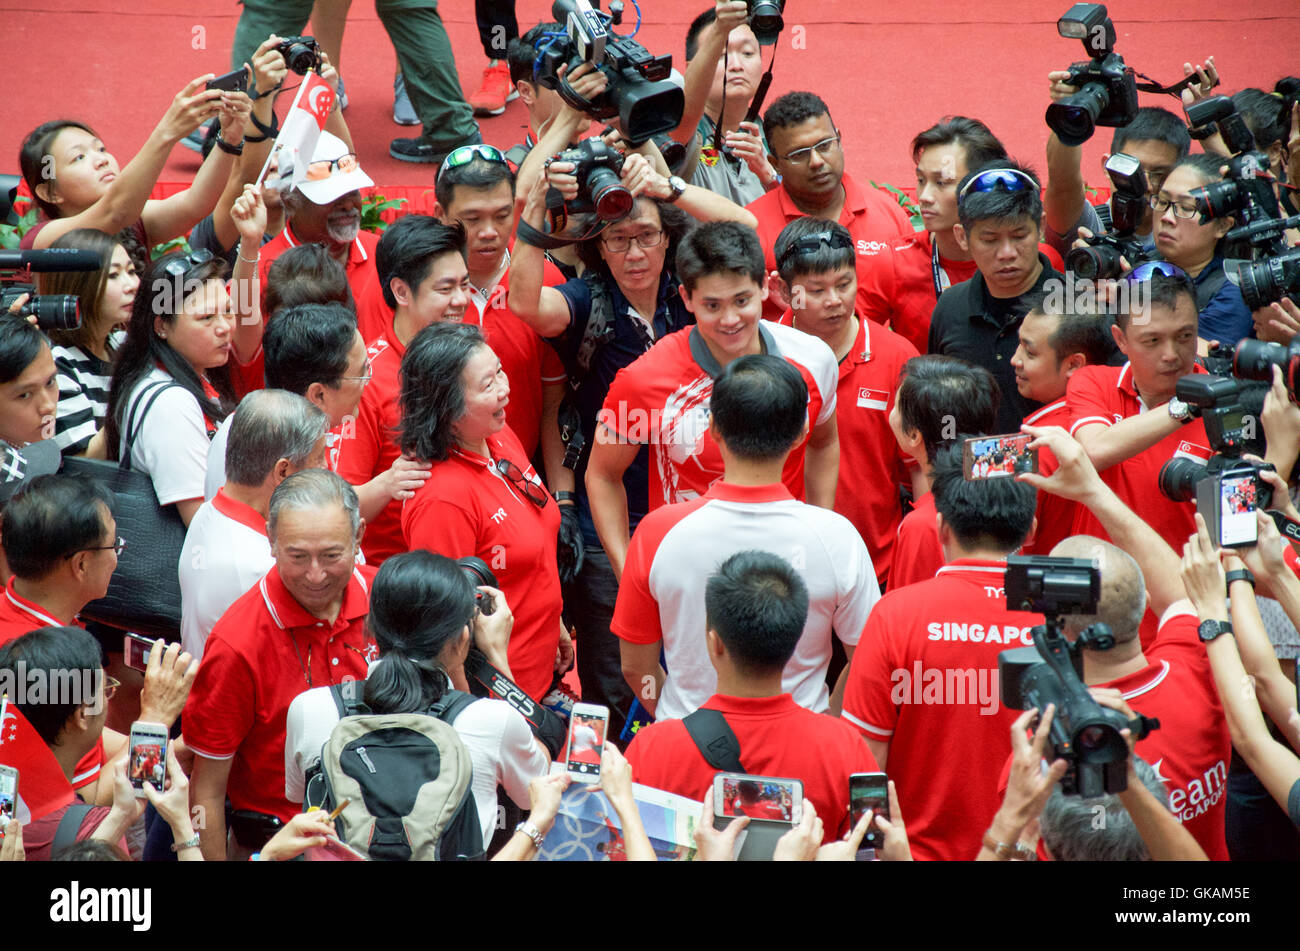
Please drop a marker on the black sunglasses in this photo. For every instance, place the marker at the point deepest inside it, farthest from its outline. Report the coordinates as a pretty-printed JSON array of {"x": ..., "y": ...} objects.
[{"x": 534, "y": 492}]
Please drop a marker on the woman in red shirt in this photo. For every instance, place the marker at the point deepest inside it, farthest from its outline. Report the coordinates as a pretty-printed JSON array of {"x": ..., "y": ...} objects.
[{"x": 483, "y": 497}]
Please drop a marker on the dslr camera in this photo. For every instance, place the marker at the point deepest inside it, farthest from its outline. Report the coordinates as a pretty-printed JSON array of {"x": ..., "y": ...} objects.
[
  {"x": 1227, "y": 489},
  {"x": 766, "y": 20},
  {"x": 301, "y": 53},
  {"x": 644, "y": 94},
  {"x": 1107, "y": 93},
  {"x": 52, "y": 311},
  {"x": 1083, "y": 733},
  {"x": 598, "y": 166},
  {"x": 1101, "y": 259}
]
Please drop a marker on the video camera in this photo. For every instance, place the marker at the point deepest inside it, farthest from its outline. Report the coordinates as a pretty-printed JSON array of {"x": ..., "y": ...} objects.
[
  {"x": 1227, "y": 488},
  {"x": 597, "y": 167},
  {"x": 1083, "y": 732},
  {"x": 1128, "y": 203},
  {"x": 644, "y": 95},
  {"x": 301, "y": 54},
  {"x": 52, "y": 311}
]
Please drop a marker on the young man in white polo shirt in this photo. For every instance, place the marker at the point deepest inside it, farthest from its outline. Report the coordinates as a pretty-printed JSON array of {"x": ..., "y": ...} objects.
[
  {"x": 759, "y": 413},
  {"x": 226, "y": 552}
]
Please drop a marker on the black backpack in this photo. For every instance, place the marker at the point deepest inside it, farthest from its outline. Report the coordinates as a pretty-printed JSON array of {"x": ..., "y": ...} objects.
[{"x": 408, "y": 777}]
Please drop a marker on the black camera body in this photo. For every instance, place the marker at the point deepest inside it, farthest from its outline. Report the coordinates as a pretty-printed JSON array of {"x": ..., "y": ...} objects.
[
  {"x": 478, "y": 572},
  {"x": 1245, "y": 192},
  {"x": 1107, "y": 93},
  {"x": 1128, "y": 203},
  {"x": 598, "y": 166},
  {"x": 301, "y": 54},
  {"x": 1083, "y": 732},
  {"x": 52, "y": 311},
  {"x": 643, "y": 97}
]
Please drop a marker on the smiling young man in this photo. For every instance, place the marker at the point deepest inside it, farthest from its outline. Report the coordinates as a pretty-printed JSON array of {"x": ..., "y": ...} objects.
[
  {"x": 1127, "y": 418},
  {"x": 809, "y": 157},
  {"x": 978, "y": 320},
  {"x": 422, "y": 268},
  {"x": 663, "y": 398}
]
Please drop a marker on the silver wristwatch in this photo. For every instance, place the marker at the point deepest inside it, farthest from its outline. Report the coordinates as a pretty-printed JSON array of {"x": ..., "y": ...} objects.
[
  {"x": 534, "y": 833},
  {"x": 678, "y": 185},
  {"x": 1180, "y": 411}
]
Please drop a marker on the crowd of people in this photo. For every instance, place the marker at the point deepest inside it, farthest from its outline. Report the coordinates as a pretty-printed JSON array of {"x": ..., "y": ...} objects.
[{"x": 715, "y": 452}]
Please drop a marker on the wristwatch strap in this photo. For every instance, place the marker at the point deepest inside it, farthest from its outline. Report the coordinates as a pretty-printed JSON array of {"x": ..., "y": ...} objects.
[
  {"x": 534, "y": 833},
  {"x": 1009, "y": 852},
  {"x": 1240, "y": 574}
]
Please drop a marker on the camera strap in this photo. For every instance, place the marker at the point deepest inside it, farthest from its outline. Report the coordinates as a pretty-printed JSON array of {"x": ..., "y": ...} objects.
[
  {"x": 717, "y": 742},
  {"x": 941, "y": 282}
]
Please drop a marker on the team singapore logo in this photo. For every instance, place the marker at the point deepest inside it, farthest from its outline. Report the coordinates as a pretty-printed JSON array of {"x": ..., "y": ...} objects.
[{"x": 79, "y": 905}]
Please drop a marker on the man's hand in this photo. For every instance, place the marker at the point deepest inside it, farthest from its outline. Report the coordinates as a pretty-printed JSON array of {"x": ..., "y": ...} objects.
[
  {"x": 1203, "y": 574},
  {"x": 616, "y": 776},
  {"x": 127, "y": 807},
  {"x": 304, "y": 831},
  {"x": 492, "y": 631},
  {"x": 235, "y": 110},
  {"x": 746, "y": 143},
  {"x": 405, "y": 476},
  {"x": 1265, "y": 558},
  {"x": 587, "y": 82},
  {"x": 1075, "y": 478},
  {"x": 1281, "y": 420},
  {"x": 846, "y": 849},
  {"x": 801, "y": 843},
  {"x": 561, "y": 177},
  {"x": 640, "y": 178},
  {"x": 173, "y": 804},
  {"x": 249, "y": 214},
  {"x": 269, "y": 68},
  {"x": 1058, "y": 86},
  {"x": 1207, "y": 78},
  {"x": 544, "y": 794},
  {"x": 167, "y": 681},
  {"x": 1028, "y": 787},
  {"x": 716, "y": 845},
  {"x": 11, "y": 842},
  {"x": 896, "y": 848},
  {"x": 570, "y": 547}
]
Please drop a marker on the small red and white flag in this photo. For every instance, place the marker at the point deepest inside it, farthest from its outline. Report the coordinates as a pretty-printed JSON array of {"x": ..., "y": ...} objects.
[
  {"x": 42, "y": 787},
  {"x": 303, "y": 124},
  {"x": 873, "y": 399}
]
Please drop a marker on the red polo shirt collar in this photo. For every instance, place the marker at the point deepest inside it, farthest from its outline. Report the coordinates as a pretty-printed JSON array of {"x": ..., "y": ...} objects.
[
  {"x": 287, "y": 614},
  {"x": 1124, "y": 382},
  {"x": 292, "y": 241},
  {"x": 778, "y": 705},
  {"x": 752, "y": 494},
  {"x": 974, "y": 569},
  {"x": 855, "y": 202},
  {"x": 31, "y": 607},
  {"x": 858, "y": 354},
  {"x": 1141, "y": 681},
  {"x": 245, "y": 515}
]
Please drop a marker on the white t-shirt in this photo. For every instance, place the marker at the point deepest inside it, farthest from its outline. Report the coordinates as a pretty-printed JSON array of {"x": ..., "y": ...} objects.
[
  {"x": 501, "y": 749},
  {"x": 215, "y": 477},
  {"x": 226, "y": 552},
  {"x": 171, "y": 443}
]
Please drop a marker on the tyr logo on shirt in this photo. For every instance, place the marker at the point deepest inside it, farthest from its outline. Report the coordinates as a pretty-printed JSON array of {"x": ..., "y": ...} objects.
[
  {"x": 499, "y": 516},
  {"x": 873, "y": 399},
  {"x": 1190, "y": 450}
]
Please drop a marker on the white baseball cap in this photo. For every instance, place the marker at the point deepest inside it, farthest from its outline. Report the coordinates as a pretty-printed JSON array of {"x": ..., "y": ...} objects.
[{"x": 338, "y": 181}]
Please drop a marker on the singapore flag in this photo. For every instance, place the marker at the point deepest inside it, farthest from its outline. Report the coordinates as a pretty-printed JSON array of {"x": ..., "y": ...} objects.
[{"x": 303, "y": 124}]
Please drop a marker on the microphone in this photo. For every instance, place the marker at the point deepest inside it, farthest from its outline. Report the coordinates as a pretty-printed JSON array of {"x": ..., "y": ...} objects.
[{"x": 50, "y": 259}]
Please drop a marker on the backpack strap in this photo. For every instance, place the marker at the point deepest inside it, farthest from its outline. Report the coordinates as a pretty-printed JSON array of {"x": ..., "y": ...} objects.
[
  {"x": 449, "y": 707},
  {"x": 599, "y": 328},
  {"x": 69, "y": 826},
  {"x": 516, "y": 154},
  {"x": 716, "y": 740},
  {"x": 1206, "y": 289},
  {"x": 130, "y": 431},
  {"x": 347, "y": 699}
]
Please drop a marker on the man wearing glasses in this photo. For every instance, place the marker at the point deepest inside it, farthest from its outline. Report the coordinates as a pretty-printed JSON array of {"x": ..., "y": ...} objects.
[
  {"x": 807, "y": 154},
  {"x": 999, "y": 211}
]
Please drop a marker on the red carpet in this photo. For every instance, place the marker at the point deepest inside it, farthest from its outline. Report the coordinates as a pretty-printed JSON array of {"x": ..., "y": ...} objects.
[{"x": 886, "y": 71}]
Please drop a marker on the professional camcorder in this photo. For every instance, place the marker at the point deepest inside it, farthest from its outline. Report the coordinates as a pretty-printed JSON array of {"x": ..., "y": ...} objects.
[
  {"x": 1083, "y": 732},
  {"x": 644, "y": 94},
  {"x": 1128, "y": 203}
]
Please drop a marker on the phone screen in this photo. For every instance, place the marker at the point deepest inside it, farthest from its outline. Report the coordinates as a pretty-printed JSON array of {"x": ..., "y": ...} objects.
[
  {"x": 760, "y": 798},
  {"x": 8, "y": 794},
  {"x": 998, "y": 457},
  {"x": 869, "y": 791},
  {"x": 1237, "y": 511},
  {"x": 136, "y": 649},
  {"x": 148, "y": 763},
  {"x": 586, "y": 743}
]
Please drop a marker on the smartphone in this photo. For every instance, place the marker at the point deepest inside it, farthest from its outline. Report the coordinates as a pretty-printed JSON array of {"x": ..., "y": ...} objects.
[
  {"x": 587, "y": 727},
  {"x": 1228, "y": 504},
  {"x": 135, "y": 650},
  {"x": 869, "y": 791},
  {"x": 998, "y": 457},
  {"x": 148, "y": 757},
  {"x": 8, "y": 794},
  {"x": 234, "y": 81},
  {"x": 773, "y": 805}
]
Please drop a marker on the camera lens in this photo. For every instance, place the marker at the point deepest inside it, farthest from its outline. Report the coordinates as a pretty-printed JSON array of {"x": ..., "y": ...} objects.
[
  {"x": 1074, "y": 117},
  {"x": 55, "y": 311},
  {"x": 766, "y": 21},
  {"x": 1255, "y": 360},
  {"x": 1178, "y": 478},
  {"x": 1218, "y": 198},
  {"x": 1091, "y": 738},
  {"x": 1091, "y": 264},
  {"x": 300, "y": 57},
  {"x": 610, "y": 199}
]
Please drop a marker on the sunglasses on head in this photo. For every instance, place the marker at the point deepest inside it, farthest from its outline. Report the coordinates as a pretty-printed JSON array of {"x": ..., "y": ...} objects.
[
  {"x": 810, "y": 244},
  {"x": 1005, "y": 179},
  {"x": 1149, "y": 269},
  {"x": 467, "y": 153},
  {"x": 180, "y": 267}
]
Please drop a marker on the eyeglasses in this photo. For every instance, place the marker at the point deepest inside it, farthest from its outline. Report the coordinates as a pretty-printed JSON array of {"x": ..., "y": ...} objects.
[
  {"x": 811, "y": 244},
  {"x": 1007, "y": 179},
  {"x": 180, "y": 267},
  {"x": 1159, "y": 203},
  {"x": 367, "y": 371},
  {"x": 823, "y": 148},
  {"x": 115, "y": 548},
  {"x": 321, "y": 169},
  {"x": 535, "y": 493},
  {"x": 110, "y": 687},
  {"x": 620, "y": 243},
  {"x": 467, "y": 153},
  {"x": 1149, "y": 269}
]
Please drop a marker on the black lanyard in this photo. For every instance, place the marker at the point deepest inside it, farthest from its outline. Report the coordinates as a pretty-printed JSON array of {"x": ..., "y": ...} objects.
[{"x": 934, "y": 267}]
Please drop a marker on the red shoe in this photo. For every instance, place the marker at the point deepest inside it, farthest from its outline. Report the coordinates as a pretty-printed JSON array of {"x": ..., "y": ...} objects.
[{"x": 496, "y": 91}]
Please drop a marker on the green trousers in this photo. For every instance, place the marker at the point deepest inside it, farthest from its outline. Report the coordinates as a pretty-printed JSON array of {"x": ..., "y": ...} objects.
[{"x": 423, "y": 54}]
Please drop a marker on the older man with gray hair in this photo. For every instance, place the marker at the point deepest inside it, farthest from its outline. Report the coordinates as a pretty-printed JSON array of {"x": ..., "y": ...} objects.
[
  {"x": 301, "y": 626},
  {"x": 273, "y": 434}
]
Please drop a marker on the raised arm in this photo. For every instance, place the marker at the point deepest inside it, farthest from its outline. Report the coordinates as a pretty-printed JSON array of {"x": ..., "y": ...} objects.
[
  {"x": 543, "y": 308},
  {"x": 1064, "y": 195}
]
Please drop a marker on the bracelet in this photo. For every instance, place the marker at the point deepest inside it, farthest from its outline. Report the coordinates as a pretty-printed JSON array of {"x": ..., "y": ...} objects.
[
  {"x": 227, "y": 147},
  {"x": 1006, "y": 852},
  {"x": 247, "y": 260},
  {"x": 534, "y": 833},
  {"x": 1240, "y": 574},
  {"x": 191, "y": 843}
]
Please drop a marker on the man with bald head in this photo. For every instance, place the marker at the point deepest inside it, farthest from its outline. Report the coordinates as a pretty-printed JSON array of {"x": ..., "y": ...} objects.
[{"x": 1170, "y": 680}]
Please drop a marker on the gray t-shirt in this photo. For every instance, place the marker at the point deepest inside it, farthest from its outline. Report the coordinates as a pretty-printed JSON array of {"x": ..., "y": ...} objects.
[{"x": 719, "y": 174}]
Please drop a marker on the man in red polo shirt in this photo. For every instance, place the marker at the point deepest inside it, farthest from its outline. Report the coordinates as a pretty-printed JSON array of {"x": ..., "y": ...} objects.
[
  {"x": 1053, "y": 345},
  {"x": 938, "y": 400},
  {"x": 755, "y": 607},
  {"x": 1127, "y": 418},
  {"x": 815, "y": 261},
  {"x": 923, "y": 688},
  {"x": 807, "y": 155},
  {"x": 302, "y": 625},
  {"x": 422, "y": 267}
]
